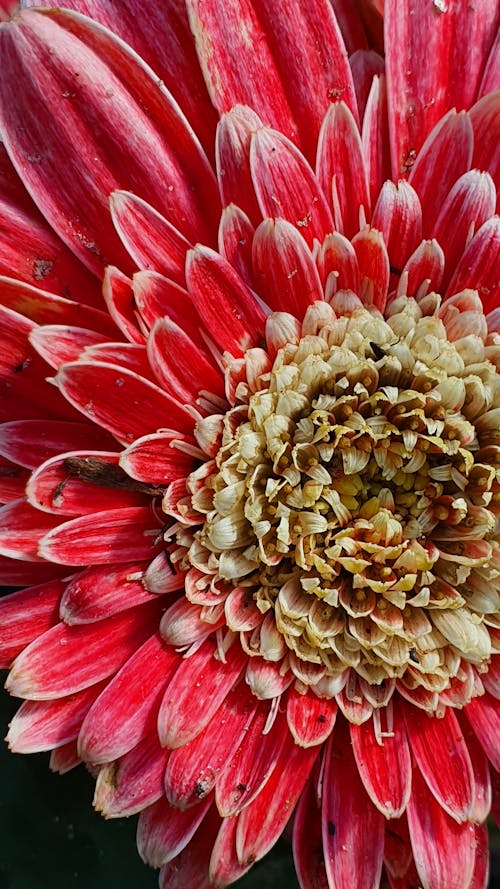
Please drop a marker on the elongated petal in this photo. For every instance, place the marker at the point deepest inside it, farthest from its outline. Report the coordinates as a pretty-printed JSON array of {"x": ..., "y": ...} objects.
[
  {"x": 286, "y": 186},
  {"x": 308, "y": 841},
  {"x": 419, "y": 95},
  {"x": 337, "y": 260},
  {"x": 384, "y": 765},
  {"x": 103, "y": 537},
  {"x": 484, "y": 117},
  {"x": 47, "y": 308},
  {"x": 181, "y": 716},
  {"x": 310, "y": 719},
  {"x": 374, "y": 267},
  {"x": 398, "y": 215},
  {"x": 348, "y": 818},
  {"x": 150, "y": 240},
  {"x": 484, "y": 717},
  {"x": 424, "y": 270},
  {"x": 133, "y": 782},
  {"x": 190, "y": 867},
  {"x": 22, "y": 527},
  {"x": 119, "y": 717},
  {"x": 366, "y": 64},
  {"x": 27, "y": 614},
  {"x": 91, "y": 653},
  {"x": 42, "y": 725},
  {"x": 235, "y": 241},
  {"x": 449, "y": 859},
  {"x": 58, "y": 343},
  {"x": 164, "y": 831},
  {"x": 158, "y": 297},
  {"x": 180, "y": 366},
  {"x": 445, "y": 156},
  {"x": 105, "y": 393},
  {"x": 15, "y": 573},
  {"x": 155, "y": 459},
  {"x": 119, "y": 298},
  {"x": 284, "y": 269},
  {"x": 340, "y": 168},
  {"x": 478, "y": 267},
  {"x": 469, "y": 204},
  {"x": 375, "y": 137},
  {"x": 102, "y": 591},
  {"x": 229, "y": 310},
  {"x": 482, "y": 792},
  {"x": 232, "y": 156},
  {"x": 75, "y": 174}
]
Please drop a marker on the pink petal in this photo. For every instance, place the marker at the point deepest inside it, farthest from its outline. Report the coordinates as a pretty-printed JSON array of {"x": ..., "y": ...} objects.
[
  {"x": 150, "y": 240},
  {"x": 163, "y": 831},
  {"x": 121, "y": 714},
  {"x": 179, "y": 365},
  {"x": 27, "y": 614},
  {"x": 348, "y": 818},
  {"x": 267, "y": 679},
  {"x": 284, "y": 269},
  {"x": 398, "y": 215},
  {"x": 42, "y": 725},
  {"x": 366, "y": 64},
  {"x": 420, "y": 95},
  {"x": 340, "y": 168},
  {"x": 374, "y": 268},
  {"x": 481, "y": 804},
  {"x": 444, "y": 851},
  {"x": 310, "y": 719},
  {"x": 484, "y": 118},
  {"x": 286, "y": 186},
  {"x": 56, "y": 488},
  {"x": 46, "y": 308},
  {"x": 64, "y": 758},
  {"x": 102, "y": 591},
  {"x": 480, "y": 876},
  {"x": 337, "y": 258},
  {"x": 58, "y": 343},
  {"x": 91, "y": 653},
  {"x": 119, "y": 400},
  {"x": 195, "y": 693},
  {"x": 424, "y": 269},
  {"x": 232, "y": 156},
  {"x": 224, "y": 865},
  {"x": 235, "y": 241},
  {"x": 190, "y": 867},
  {"x": 130, "y": 355},
  {"x": 484, "y": 716},
  {"x": 478, "y": 267},
  {"x": 156, "y": 297},
  {"x": 116, "y": 535},
  {"x": 22, "y": 527},
  {"x": 252, "y": 764},
  {"x": 193, "y": 769},
  {"x": 82, "y": 159},
  {"x": 262, "y": 822},
  {"x": 375, "y": 138},
  {"x": 154, "y": 459},
  {"x": 445, "y": 155},
  {"x": 308, "y": 842},
  {"x": 384, "y": 764},
  {"x": 119, "y": 298},
  {"x": 133, "y": 782},
  {"x": 230, "y": 312}
]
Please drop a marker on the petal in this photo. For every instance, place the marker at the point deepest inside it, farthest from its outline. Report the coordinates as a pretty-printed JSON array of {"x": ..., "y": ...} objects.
[
  {"x": 341, "y": 170},
  {"x": 484, "y": 118},
  {"x": 190, "y": 867},
  {"x": 482, "y": 793},
  {"x": 42, "y": 725},
  {"x": 484, "y": 716},
  {"x": 232, "y": 156},
  {"x": 91, "y": 653},
  {"x": 119, "y": 298},
  {"x": 14, "y": 573},
  {"x": 64, "y": 758},
  {"x": 384, "y": 764},
  {"x": 117, "y": 535},
  {"x": 366, "y": 64},
  {"x": 31, "y": 442},
  {"x": 106, "y": 393},
  {"x": 374, "y": 268},
  {"x": 27, "y": 614},
  {"x": 133, "y": 782},
  {"x": 375, "y": 138},
  {"x": 310, "y": 719},
  {"x": 156, "y": 459},
  {"x": 284, "y": 270},
  {"x": 156, "y": 297},
  {"x": 100, "y": 592},
  {"x": 419, "y": 95},
  {"x": 229, "y": 310},
  {"x": 195, "y": 693},
  {"x": 163, "y": 831},
  {"x": 74, "y": 174},
  {"x": 398, "y": 216},
  {"x": 478, "y": 267},
  {"x": 224, "y": 865},
  {"x": 308, "y": 841},
  {"x": 235, "y": 241},
  {"x": 424, "y": 270},
  {"x": 150, "y": 240},
  {"x": 337, "y": 258},
  {"x": 444, "y": 851},
  {"x": 121, "y": 714},
  {"x": 180, "y": 365},
  {"x": 57, "y": 343},
  {"x": 348, "y": 818},
  {"x": 22, "y": 527},
  {"x": 46, "y": 308},
  {"x": 445, "y": 156},
  {"x": 286, "y": 187}
]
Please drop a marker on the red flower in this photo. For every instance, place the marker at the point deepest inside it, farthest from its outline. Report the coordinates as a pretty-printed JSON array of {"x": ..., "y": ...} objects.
[{"x": 257, "y": 512}]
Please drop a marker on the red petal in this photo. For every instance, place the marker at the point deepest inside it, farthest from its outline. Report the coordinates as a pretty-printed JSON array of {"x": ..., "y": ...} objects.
[
  {"x": 484, "y": 117},
  {"x": 193, "y": 769},
  {"x": 398, "y": 216},
  {"x": 130, "y": 355},
  {"x": 91, "y": 653},
  {"x": 58, "y": 343},
  {"x": 443, "y": 759},
  {"x": 480, "y": 877},
  {"x": 100, "y": 592},
  {"x": 46, "y": 308},
  {"x": 444, "y": 851},
  {"x": 374, "y": 269},
  {"x": 308, "y": 842},
  {"x": 42, "y": 725},
  {"x": 119, "y": 298},
  {"x": 22, "y": 529},
  {"x": 155, "y": 460},
  {"x": 424, "y": 269},
  {"x": 232, "y": 155},
  {"x": 443, "y": 158},
  {"x": 484, "y": 716},
  {"x": 375, "y": 138},
  {"x": 190, "y": 867},
  {"x": 286, "y": 186},
  {"x": 30, "y": 442},
  {"x": 15, "y": 573},
  {"x": 119, "y": 400},
  {"x": 421, "y": 94},
  {"x": 481, "y": 804},
  {"x": 156, "y": 297},
  {"x": 340, "y": 168},
  {"x": 132, "y": 783},
  {"x": 229, "y": 310},
  {"x": 151, "y": 241},
  {"x": 121, "y": 714},
  {"x": 348, "y": 819},
  {"x": 284, "y": 270},
  {"x": 163, "y": 831},
  {"x": 310, "y": 719},
  {"x": 74, "y": 174},
  {"x": 384, "y": 764},
  {"x": 195, "y": 693},
  {"x": 366, "y": 64},
  {"x": 27, "y": 614},
  {"x": 235, "y": 241},
  {"x": 179, "y": 364},
  {"x": 337, "y": 258},
  {"x": 64, "y": 758},
  {"x": 224, "y": 865},
  {"x": 12, "y": 481},
  {"x": 112, "y": 535},
  {"x": 478, "y": 267}
]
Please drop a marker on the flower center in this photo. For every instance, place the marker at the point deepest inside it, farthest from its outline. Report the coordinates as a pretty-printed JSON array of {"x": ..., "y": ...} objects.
[{"x": 348, "y": 501}]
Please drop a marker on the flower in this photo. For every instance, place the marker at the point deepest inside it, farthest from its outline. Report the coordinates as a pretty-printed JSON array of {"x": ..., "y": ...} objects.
[{"x": 250, "y": 450}]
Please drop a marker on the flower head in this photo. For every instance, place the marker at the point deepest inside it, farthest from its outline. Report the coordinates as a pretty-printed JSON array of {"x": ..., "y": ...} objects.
[{"x": 251, "y": 393}]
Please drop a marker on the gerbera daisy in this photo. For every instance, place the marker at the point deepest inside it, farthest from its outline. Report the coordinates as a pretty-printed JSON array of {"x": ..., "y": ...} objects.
[{"x": 250, "y": 384}]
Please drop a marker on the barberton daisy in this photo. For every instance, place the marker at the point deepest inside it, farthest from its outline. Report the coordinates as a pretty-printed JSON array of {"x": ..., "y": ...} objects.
[{"x": 250, "y": 393}]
